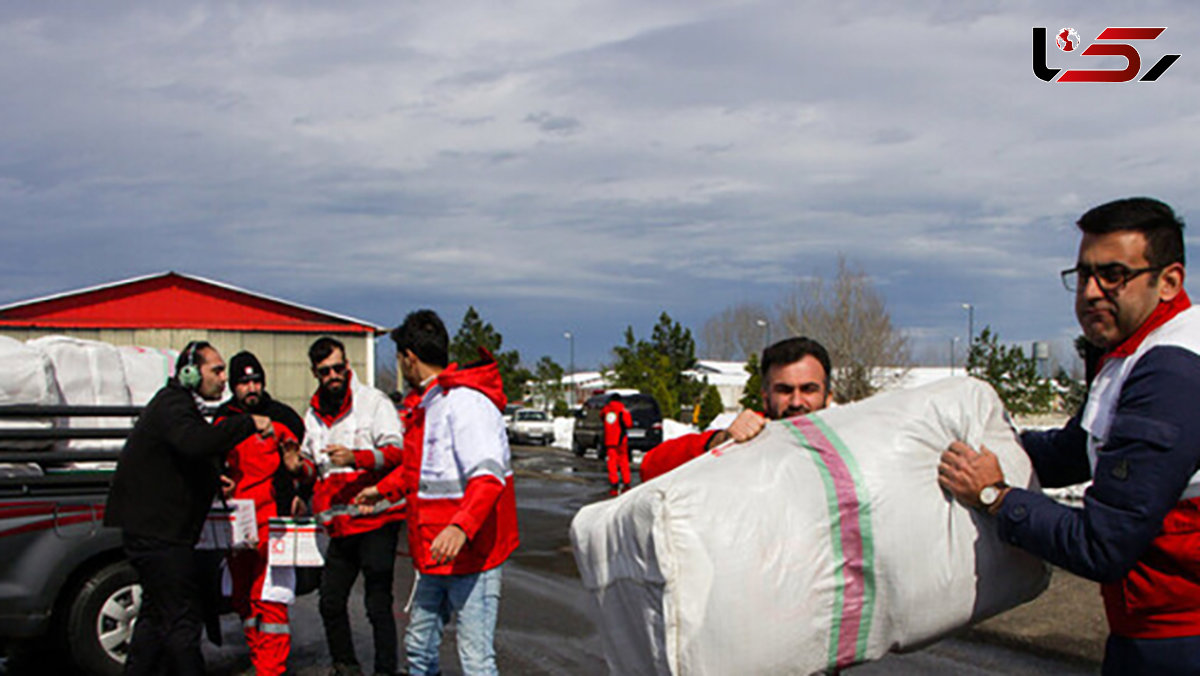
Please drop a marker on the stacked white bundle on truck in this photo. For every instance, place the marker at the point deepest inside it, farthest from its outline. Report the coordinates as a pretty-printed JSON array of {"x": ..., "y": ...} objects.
[
  {"x": 146, "y": 371},
  {"x": 89, "y": 373},
  {"x": 26, "y": 377},
  {"x": 824, "y": 542}
]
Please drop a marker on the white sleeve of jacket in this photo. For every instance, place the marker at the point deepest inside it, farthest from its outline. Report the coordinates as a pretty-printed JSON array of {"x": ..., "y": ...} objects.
[
  {"x": 385, "y": 422},
  {"x": 480, "y": 440}
]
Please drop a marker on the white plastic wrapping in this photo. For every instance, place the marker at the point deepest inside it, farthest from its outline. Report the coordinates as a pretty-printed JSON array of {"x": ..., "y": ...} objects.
[
  {"x": 26, "y": 377},
  {"x": 89, "y": 373},
  {"x": 146, "y": 371},
  {"x": 824, "y": 542}
]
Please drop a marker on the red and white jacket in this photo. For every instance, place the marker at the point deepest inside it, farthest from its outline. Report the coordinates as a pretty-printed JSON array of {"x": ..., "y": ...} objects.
[
  {"x": 367, "y": 423},
  {"x": 462, "y": 474}
]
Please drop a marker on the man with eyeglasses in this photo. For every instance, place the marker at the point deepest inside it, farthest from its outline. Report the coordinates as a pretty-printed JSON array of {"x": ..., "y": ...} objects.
[
  {"x": 1137, "y": 439},
  {"x": 352, "y": 433}
]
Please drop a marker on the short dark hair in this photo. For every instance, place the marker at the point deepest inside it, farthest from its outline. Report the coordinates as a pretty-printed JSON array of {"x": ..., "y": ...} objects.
[
  {"x": 193, "y": 353},
  {"x": 1162, "y": 229},
  {"x": 324, "y": 346},
  {"x": 424, "y": 333},
  {"x": 792, "y": 350}
]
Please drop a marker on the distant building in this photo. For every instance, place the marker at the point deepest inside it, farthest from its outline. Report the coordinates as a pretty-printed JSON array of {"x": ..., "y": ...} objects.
[
  {"x": 729, "y": 377},
  {"x": 168, "y": 309}
]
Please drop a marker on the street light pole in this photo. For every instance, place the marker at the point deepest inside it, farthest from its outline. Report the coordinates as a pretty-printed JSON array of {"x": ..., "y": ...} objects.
[
  {"x": 766, "y": 325},
  {"x": 953, "y": 350},
  {"x": 970, "y": 323},
  {"x": 571, "y": 392}
]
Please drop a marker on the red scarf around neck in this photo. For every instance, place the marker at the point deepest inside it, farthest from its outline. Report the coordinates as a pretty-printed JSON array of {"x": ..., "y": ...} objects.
[{"x": 1163, "y": 313}]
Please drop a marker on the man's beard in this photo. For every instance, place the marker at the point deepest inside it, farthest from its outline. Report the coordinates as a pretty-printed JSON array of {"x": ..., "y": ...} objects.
[
  {"x": 251, "y": 402},
  {"x": 334, "y": 388}
]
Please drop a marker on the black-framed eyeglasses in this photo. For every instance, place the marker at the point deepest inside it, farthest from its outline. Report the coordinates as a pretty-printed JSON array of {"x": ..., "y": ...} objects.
[
  {"x": 1109, "y": 276},
  {"x": 332, "y": 368}
]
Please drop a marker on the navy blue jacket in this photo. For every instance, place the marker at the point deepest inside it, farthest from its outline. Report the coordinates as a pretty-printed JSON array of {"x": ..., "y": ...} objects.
[{"x": 1152, "y": 451}]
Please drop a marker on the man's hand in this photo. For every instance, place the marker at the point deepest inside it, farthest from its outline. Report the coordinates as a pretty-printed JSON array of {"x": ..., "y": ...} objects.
[
  {"x": 964, "y": 472},
  {"x": 367, "y": 498},
  {"x": 291, "y": 456},
  {"x": 298, "y": 507},
  {"x": 263, "y": 425},
  {"x": 227, "y": 486},
  {"x": 447, "y": 544},
  {"x": 340, "y": 455},
  {"x": 746, "y": 426}
]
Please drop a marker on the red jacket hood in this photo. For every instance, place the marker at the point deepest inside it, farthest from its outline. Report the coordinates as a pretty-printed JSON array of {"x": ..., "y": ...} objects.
[{"x": 482, "y": 375}]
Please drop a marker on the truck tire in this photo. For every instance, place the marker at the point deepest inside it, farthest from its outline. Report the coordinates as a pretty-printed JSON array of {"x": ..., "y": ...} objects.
[
  {"x": 101, "y": 617},
  {"x": 577, "y": 448}
]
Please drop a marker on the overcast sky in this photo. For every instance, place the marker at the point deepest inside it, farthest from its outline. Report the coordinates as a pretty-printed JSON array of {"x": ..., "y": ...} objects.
[{"x": 581, "y": 166}]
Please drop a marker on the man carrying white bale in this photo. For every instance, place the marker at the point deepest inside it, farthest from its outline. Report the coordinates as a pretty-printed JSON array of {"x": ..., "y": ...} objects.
[
  {"x": 1137, "y": 439},
  {"x": 823, "y": 542}
]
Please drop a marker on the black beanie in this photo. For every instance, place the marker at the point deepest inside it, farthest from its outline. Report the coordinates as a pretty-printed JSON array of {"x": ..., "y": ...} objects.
[{"x": 245, "y": 366}]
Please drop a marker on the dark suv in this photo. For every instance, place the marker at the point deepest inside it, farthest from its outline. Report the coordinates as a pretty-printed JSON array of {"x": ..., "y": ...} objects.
[{"x": 645, "y": 434}]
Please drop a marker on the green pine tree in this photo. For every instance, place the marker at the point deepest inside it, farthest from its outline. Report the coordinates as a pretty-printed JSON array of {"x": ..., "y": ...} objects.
[
  {"x": 710, "y": 406},
  {"x": 752, "y": 394},
  {"x": 656, "y": 366},
  {"x": 1013, "y": 375},
  {"x": 475, "y": 333}
]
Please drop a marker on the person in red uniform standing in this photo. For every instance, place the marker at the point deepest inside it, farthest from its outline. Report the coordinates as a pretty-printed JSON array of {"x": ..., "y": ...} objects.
[
  {"x": 795, "y": 381},
  {"x": 252, "y": 472},
  {"x": 462, "y": 518},
  {"x": 617, "y": 422}
]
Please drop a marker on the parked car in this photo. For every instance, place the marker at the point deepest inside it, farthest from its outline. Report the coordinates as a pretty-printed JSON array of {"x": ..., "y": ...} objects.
[
  {"x": 530, "y": 425},
  {"x": 645, "y": 434},
  {"x": 509, "y": 410}
]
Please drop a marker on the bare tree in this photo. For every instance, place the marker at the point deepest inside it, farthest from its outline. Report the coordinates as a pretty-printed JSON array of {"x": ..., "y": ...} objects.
[
  {"x": 736, "y": 332},
  {"x": 849, "y": 317}
]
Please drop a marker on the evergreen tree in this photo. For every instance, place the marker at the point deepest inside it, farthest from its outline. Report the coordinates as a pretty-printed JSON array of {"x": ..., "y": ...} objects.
[
  {"x": 752, "y": 395},
  {"x": 656, "y": 366},
  {"x": 710, "y": 406},
  {"x": 1013, "y": 375},
  {"x": 547, "y": 376},
  {"x": 475, "y": 333}
]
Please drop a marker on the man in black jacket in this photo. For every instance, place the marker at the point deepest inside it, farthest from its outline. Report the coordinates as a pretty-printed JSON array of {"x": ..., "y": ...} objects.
[{"x": 166, "y": 478}]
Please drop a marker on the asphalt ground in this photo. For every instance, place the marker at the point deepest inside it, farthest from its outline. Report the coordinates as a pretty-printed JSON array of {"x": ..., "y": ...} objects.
[{"x": 545, "y": 626}]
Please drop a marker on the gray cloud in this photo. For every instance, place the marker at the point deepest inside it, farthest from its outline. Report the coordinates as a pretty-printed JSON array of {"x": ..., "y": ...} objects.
[{"x": 576, "y": 166}]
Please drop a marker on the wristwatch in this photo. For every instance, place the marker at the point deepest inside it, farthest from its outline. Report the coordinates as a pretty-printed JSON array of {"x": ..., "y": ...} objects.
[{"x": 989, "y": 495}]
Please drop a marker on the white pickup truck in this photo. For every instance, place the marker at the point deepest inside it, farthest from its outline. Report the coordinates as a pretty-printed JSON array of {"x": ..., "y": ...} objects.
[{"x": 531, "y": 426}]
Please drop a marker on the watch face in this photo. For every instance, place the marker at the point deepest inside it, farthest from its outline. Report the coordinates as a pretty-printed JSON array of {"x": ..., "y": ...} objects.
[{"x": 988, "y": 495}]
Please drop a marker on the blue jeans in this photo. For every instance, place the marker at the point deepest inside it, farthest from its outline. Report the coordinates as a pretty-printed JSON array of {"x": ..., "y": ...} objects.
[{"x": 475, "y": 599}]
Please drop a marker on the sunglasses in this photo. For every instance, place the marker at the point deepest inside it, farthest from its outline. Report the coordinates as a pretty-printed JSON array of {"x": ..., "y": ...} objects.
[{"x": 332, "y": 368}]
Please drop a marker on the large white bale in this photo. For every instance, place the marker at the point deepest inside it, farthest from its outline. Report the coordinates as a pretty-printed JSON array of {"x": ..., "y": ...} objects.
[
  {"x": 146, "y": 371},
  {"x": 824, "y": 542},
  {"x": 26, "y": 377},
  {"x": 89, "y": 373}
]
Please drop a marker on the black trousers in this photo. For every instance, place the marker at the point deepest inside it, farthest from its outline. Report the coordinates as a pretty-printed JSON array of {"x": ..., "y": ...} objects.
[
  {"x": 373, "y": 553},
  {"x": 1151, "y": 656},
  {"x": 166, "y": 638}
]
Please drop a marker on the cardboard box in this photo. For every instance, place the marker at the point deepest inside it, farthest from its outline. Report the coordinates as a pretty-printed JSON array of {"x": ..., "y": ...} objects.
[
  {"x": 229, "y": 525},
  {"x": 293, "y": 542}
]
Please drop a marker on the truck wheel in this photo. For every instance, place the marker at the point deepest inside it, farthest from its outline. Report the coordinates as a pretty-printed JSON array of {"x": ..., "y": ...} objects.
[
  {"x": 577, "y": 448},
  {"x": 101, "y": 618}
]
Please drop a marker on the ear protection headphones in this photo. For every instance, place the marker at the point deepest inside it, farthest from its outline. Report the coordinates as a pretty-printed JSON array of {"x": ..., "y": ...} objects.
[{"x": 189, "y": 373}]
